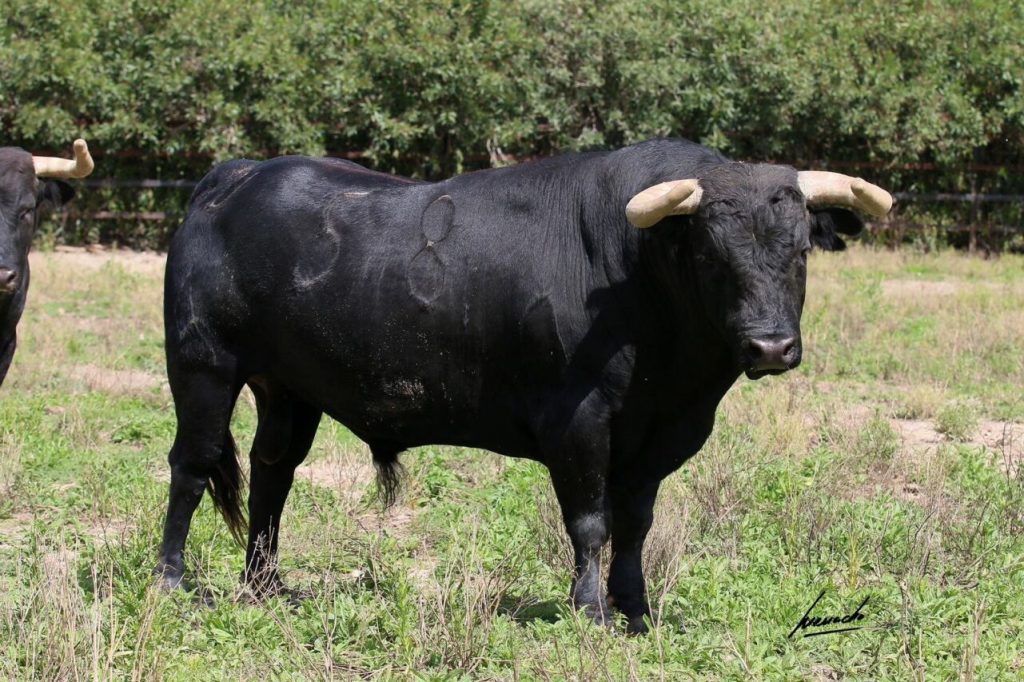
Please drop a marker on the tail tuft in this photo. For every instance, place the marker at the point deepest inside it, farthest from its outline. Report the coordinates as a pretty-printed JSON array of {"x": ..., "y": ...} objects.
[
  {"x": 389, "y": 474},
  {"x": 225, "y": 488}
]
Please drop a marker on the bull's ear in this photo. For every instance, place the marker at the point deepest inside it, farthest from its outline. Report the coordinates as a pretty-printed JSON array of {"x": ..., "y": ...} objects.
[
  {"x": 53, "y": 194},
  {"x": 828, "y": 223}
]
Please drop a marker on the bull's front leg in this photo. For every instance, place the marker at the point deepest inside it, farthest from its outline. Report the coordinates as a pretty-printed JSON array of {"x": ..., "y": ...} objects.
[
  {"x": 8, "y": 342},
  {"x": 579, "y": 476},
  {"x": 587, "y": 525},
  {"x": 633, "y": 515}
]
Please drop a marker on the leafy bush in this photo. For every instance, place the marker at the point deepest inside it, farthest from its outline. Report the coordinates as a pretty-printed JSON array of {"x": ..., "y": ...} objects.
[{"x": 920, "y": 91}]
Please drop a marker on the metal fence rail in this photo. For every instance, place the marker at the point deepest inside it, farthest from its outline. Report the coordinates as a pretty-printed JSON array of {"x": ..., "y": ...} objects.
[
  {"x": 111, "y": 183},
  {"x": 945, "y": 197}
]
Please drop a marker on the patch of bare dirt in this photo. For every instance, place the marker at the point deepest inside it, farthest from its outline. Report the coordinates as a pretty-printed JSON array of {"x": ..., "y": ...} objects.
[
  {"x": 917, "y": 288},
  {"x": 106, "y": 530},
  {"x": 93, "y": 325},
  {"x": 117, "y": 381},
  {"x": 908, "y": 475},
  {"x": 921, "y": 441},
  {"x": 351, "y": 478},
  {"x": 1002, "y": 437},
  {"x": 823, "y": 673},
  {"x": 917, "y": 434},
  {"x": 1007, "y": 440},
  {"x": 345, "y": 477},
  {"x": 932, "y": 289},
  {"x": 92, "y": 258},
  {"x": 15, "y": 527}
]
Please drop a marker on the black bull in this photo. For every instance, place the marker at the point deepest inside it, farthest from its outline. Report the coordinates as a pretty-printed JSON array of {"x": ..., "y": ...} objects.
[
  {"x": 24, "y": 198},
  {"x": 513, "y": 310}
]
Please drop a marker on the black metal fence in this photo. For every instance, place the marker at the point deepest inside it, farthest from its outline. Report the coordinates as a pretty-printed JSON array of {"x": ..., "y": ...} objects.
[{"x": 144, "y": 212}]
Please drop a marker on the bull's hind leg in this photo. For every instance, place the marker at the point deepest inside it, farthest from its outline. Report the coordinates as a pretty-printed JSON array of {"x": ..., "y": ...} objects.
[
  {"x": 202, "y": 457},
  {"x": 283, "y": 438}
]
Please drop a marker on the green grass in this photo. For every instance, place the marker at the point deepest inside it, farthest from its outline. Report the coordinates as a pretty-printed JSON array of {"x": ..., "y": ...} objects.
[
  {"x": 866, "y": 473},
  {"x": 957, "y": 421}
]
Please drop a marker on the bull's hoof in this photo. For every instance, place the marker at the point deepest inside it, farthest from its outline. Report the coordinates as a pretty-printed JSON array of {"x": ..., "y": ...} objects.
[
  {"x": 598, "y": 613},
  {"x": 262, "y": 588},
  {"x": 296, "y": 598},
  {"x": 293, "y": 598},
  {"x": 637, "y": 625},
  {"x": 171, "y": 580},
  {"x": 635, "y": 611}
]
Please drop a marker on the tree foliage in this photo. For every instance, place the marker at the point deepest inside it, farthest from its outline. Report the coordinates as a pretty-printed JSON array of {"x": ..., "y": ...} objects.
[{"x": 919, "y": 90}]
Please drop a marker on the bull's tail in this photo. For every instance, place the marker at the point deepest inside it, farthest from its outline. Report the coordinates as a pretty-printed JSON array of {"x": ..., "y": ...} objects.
[
  {"x": 225, "y": 488},
  {"x": 389, "y": 472}
]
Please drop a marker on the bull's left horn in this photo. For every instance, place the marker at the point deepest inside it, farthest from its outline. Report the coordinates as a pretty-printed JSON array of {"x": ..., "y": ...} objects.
[
  {"x": 53, "y": 167},
  {"x": 822, "y": 188},
  {"x": 678, "y": 197}
]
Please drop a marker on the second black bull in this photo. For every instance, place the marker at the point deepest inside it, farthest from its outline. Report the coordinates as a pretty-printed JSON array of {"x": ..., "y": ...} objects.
[
  {"x": 587, "y": 311},
  {"x": 26, "y": 193}
]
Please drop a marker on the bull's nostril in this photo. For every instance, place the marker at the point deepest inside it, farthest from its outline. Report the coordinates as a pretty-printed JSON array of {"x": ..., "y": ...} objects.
[
  {"x": 771, "y": 353},
  {"x": 8, "y": 278}
]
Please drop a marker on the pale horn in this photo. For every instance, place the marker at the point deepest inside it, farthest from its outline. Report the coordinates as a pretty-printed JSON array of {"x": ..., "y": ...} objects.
[
  {"x": 53, "y": 167},
  {"x": 822, "y": 188},
  {"x": 678, "y": 197}
]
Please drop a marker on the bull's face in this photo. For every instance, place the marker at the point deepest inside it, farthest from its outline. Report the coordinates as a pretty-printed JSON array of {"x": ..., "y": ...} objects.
[
  {"x": 753, "y": 233},
  {"x": 752, "y": 228},
  {"x": 24, "y": 198}
]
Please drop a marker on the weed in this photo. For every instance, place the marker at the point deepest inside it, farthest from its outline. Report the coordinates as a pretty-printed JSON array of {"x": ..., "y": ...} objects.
[{"x": 957, "y": 421}]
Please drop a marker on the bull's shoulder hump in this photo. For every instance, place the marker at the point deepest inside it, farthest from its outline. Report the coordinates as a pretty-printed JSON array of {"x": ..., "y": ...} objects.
[{"x": 349, "y": 172}]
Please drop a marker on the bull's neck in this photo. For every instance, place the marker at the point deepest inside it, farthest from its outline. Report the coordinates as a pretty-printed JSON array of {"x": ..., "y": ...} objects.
[{"x": 688, "y": 340}]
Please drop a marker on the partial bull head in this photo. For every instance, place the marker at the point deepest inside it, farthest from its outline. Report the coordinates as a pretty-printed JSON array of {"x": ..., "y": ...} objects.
[
  {"x": 29, "y": 186},
  {"x": 752, "y": 226}
]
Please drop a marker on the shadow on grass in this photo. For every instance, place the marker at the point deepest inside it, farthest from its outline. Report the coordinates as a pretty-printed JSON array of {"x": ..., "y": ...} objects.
[{"x": 525, "y": 609}]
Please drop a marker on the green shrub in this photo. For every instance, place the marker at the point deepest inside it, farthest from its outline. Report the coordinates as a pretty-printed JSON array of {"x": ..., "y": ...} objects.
[
  {"x": 433, "y": 87},
  {"x": 957, "y": 421}
]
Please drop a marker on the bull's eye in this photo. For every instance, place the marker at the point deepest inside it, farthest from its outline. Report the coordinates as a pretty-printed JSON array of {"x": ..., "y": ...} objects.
[
  {"x": 25, "y": 214},
  {"x": 784, "y": 195}
]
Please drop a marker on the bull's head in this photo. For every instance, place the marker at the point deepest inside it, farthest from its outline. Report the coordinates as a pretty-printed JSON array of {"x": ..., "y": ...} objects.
[
  {"x": 752, "y": 226},
  {"x": 25, "y": 194},
  {"x": 23, "y": 198}
]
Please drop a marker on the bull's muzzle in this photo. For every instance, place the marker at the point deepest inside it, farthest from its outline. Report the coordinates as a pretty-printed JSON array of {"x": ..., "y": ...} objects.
[
  {"x": 771, "y": 355},
  {"x": 9, "y": 281}
]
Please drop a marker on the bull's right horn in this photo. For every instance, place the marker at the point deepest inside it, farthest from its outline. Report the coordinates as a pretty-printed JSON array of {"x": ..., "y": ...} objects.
[
  {"x": 677, "y": 197},
  {"x": 822, "y": 188},
  {"x": 53, "y": 167}
]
